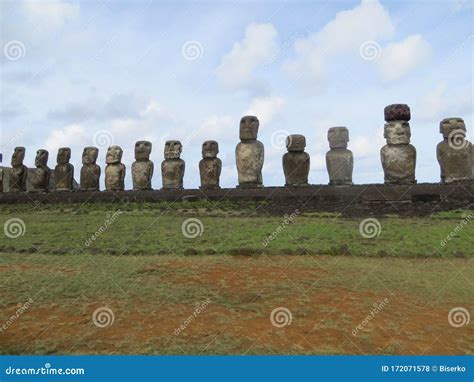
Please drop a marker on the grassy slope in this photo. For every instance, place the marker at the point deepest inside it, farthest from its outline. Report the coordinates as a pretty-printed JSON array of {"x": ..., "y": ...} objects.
[{"x": 155, "y": 229}]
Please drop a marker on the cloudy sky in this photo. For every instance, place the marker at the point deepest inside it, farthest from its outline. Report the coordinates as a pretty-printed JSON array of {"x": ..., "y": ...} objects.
[{"x": 113, "y": 72}]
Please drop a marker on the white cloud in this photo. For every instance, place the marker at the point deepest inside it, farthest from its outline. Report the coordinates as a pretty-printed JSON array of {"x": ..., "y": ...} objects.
[
  {"x": 265, "y": 108},
  {"x": 443, "y": 101},
  {"x": 49, "y": 15},
  {"x": 398, "y": 59},
  {"x": 344, "y": 34},
  {"x": 367, "y": 146},
  {"x": 219, "y": 128},
  {"x": 237, "y": 67},
  {"x": 65, "y": 137}
]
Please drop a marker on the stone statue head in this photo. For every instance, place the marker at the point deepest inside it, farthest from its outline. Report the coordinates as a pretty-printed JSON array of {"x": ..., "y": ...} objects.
[
  {"x": 249, "y": 128},
  {"x": 41, "y": 159},
  {"x": 18, "y": 156},
  {"x": 142, "y": 150},
  {"x": 114, "y": 155},
  {"x": 210, "y": 149},
  {"x": 64, "y": 154},
  {"x": 89, "y": 155},
  {"x": 397, "y": 132},
  {"x": 295, "y": 142},
  {"x": 448, "y": 125},
  {"x": 173, "y": 149},
  {"x": 338, "y": 137}
]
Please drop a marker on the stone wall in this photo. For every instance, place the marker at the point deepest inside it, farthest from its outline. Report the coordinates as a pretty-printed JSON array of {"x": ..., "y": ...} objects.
[{"x": 355, "y": 200}]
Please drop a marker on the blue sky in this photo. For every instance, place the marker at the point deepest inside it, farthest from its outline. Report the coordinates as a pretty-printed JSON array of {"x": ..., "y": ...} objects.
[{"x": 113, "y": 72}]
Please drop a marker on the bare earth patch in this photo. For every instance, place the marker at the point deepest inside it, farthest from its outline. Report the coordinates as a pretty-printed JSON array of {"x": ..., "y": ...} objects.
[{"x": 237, "y": 319}]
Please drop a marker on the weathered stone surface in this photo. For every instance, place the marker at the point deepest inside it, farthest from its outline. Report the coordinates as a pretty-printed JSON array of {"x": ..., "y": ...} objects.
[
  {"x": 356, "y": 200},
  {"x": 142, "y": 168},
  {"x": 64, "y": 171},
  {"x": 455, "y": 153},
  {"x": 39, "y": 177},
  {"x": 172, "y": 168},
  {"x": 115, "y": 170},
  {"x": 249, "y": 154},
  {"x": 398, "y": 156},
  {"x": 18, "y": 172},
  {"x": 296, "y": 162},
  {"x": 210, "y": 166},
  {"x": 397, "y": 112},
  {"x": 339, "y": 160},
  {"x": 90, "y": 171}
]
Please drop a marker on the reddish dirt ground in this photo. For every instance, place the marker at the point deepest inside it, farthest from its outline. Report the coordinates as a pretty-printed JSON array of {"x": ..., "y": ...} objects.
[{"x": 322, "y": 321}]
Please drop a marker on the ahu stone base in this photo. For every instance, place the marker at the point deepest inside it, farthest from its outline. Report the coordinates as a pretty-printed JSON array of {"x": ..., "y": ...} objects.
[{"x": 354, "y": 200}]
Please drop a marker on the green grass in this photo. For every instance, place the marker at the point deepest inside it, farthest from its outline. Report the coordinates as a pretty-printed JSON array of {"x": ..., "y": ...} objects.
[
  {"x": 157, "y": 229},
  {"x": 319, "y": 266}
]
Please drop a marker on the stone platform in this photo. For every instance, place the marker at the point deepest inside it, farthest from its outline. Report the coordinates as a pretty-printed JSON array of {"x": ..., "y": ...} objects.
[{"x": 355, "y": 200}]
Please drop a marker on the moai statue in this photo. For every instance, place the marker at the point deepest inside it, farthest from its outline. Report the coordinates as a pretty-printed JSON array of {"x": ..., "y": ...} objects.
[
  {"x": 249, "y": 154},
  {"x": 210, "y": 166},
  {"x": 19, "y": 171},
  {"x": 40, "y": 176},
  {"x": 172, "y": 168},
  {"x": 90, "y": 171},
  {"x": 142, "y": 168},
  {"x": 339, "y": 160},
  {"x": 64, "y": 171},
  {"x": 296, "y": 161},
  {"x": 115, "y": 169},
  {"x": 398, "y": 155},
  {"x": 455, "y": 155}
]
